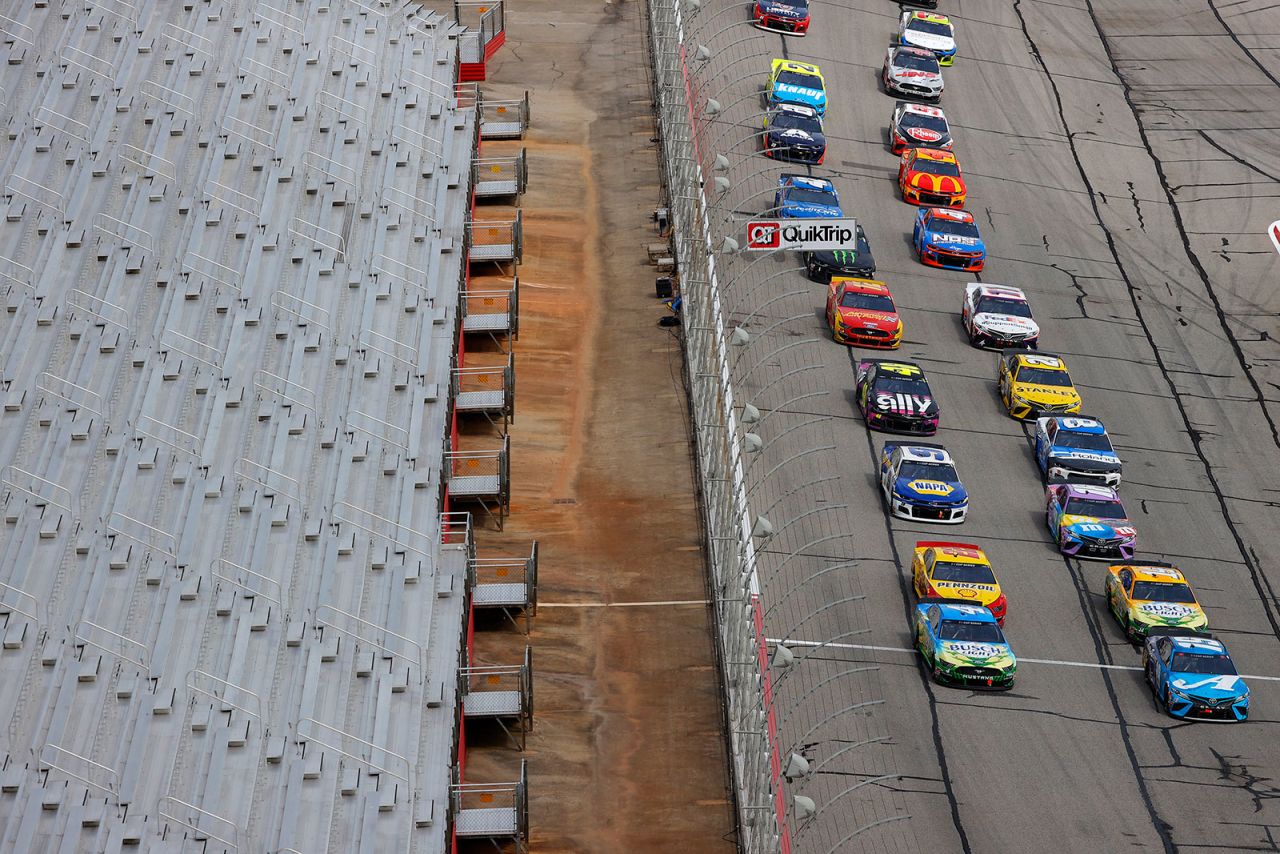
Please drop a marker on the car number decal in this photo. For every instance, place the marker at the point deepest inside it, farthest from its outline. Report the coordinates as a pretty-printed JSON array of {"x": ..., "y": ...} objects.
[{"x": 1221, "y": 683}]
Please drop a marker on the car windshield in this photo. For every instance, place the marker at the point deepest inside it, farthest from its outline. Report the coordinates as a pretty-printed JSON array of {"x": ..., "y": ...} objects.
[
  {"x": 893, "y": 383},
  {"x": 942, "y": 225},
  {"x": 1098, "y": 508},
  {"x": 916, "y": 120},
  {"x": 1001, "y": 305},
  {"x": 800, "y": 5},
  {"x": 804, "y": 81},
  {"x": 959, "y": 630},
  {"x": 790, "y": 121},
  {"x": 1211, "y": 665},
  {"x": 1083, "y": 441},
  {"x": 870, "y": 302},
  {"x": 913, "y": 470},
  {"x": 804, "y": 195},
  {"x": 933, "y": 28},
  {"x": 974, "y": 573},
  {"x": 1162, "y": 591},
  {"x": 916, "y": 62},
  {"x": 936, "y": 167},
  {"x": 1043, "y": 376}
]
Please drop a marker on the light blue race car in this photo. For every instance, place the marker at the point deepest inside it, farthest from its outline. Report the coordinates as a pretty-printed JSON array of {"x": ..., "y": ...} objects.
[{"x": 1192, "y": 676}]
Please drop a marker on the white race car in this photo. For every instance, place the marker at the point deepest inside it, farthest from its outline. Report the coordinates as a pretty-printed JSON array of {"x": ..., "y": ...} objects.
[
  {"x": 918, "y": 126},
  {"x": 912, "y": 72},
  {"x": 931, "y": 31},
  {"x": 998, "y": 316}
]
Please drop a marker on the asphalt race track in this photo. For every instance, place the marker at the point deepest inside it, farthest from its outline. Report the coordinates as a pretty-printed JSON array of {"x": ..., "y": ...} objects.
[{"x": 1122, "y": 164}]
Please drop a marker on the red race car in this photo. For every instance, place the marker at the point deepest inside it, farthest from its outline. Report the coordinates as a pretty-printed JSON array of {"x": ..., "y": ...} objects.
[
  {"x": 931, "y": 176},
  {"x": 789, "y": 17},
  {"x": 861, "y": 311}
]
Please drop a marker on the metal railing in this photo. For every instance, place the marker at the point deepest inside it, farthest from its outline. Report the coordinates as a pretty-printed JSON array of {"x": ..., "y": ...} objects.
[
  {"x": 475, "y": 806},
  {"x": 489, "y": 391},
  {"x": 499, "y": 240},
  {"x": 504, "y": 119},
  {"x": 493, "y": 177},
  {"x": 495, "y": 313},
  {"x": 500, "y": 692},
  {"x": 517, "y": 577},
  {"x": 481, "y": 476}
]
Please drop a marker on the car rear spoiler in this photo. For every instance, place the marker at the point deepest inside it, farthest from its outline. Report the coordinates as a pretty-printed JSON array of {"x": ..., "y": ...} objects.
[
  {"x": 1175, "y": 632},
  {"x": 934, "y": 445},
  {"x": 1160, "y": 563},
  {"x": 931, "y": 544},
  {"x": 935, "y": 600}
]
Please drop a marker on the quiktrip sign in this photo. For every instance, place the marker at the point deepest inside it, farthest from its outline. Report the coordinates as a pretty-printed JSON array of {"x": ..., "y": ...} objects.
[
  {"x": 804, "y": 235},
  {"x": 1274, "y": 231}
]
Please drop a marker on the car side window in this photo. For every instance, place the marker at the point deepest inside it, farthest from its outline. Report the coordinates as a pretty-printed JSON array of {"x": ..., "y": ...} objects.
[
  {"x": 1051, "y": 430},
  {"x": 1165, "y": 649},
  {"x": 935, "y": 618},
  {"x": 1126, "y": 580},
  {"x": 929, "y": 557},
  {"x": 871, "y": 375}
]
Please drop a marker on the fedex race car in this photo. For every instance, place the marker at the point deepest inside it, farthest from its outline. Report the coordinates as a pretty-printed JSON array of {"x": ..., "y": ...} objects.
[
  {"x": 895, "y": 397},
  {"x": 1089, "y": 522},
  {"x": 998, "y": 316},
  {"x": 1192, "y": 676},
  {"x": 919, "y": 482},
  {"x": 962, "y": 645},
  {"x": 1077, "y": 450}
]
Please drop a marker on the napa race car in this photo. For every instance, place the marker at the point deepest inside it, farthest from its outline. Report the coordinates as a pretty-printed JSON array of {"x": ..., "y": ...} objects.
[
  {"x": 1192, "y": 676},
  {"x": 919, "y": 482},
  {"x": 1073, "y": 449},
  {"x": 895, "y": 397},
  {"x": 998, "y": 316},
  {"x": 802, "y": 197},
  {"x": 793, "y": 132},
  {"x": 856, "y": 261},
  {"x": 931, "y": 176},
  {"x": 911, "y": 72},
  {"x": 1089, "y": 522},
  {"x": 963, "y": 645},
  {"x": 957, "y": 572},
  {"x": 1144, "y": 596},
  {"x": 789, "y": 17},
  {"x": 796, "y": 83},
  {"x": 861, "y": 311},
  {"x": 918, "y": 125},
  {"x": 930, "y": 31},
  {"x": 1032, "y": 384},
  {"x": 947, "y": 238}
]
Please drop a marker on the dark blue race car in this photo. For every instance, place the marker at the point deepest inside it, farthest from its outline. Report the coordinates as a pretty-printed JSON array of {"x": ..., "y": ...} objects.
[
  {"x": 794, "y": 132},
  {"x": 803, "y": 197},
  {"x": 1192, "y": 676}
]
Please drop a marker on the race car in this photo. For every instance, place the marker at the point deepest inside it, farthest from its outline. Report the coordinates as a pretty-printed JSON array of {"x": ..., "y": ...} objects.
[
  {"x": 912, "y": 72},
  {"x": 998, "y": 316},
  {"x": 930, "y": 31},
  {"x": 857, "y": 262},
  {"x": 895, "y": 397},
  {"x": 1032, "y": 384},
  {"x": 861, "y": 311},
  {"x": 949, "y": 239},
  {"x": 957, "y": 572},
  {"x": 802, "y": 197},
  {"x": 1143, "y": 596},
  {"x": 789, "y": 17},
  {"x": 1089, "y": 522},
  {"x": 1192, "y": 676},
  {"x": 931, "y": 176},
  {"x": 793, "y": 132},
  {"x": 915, "y": 124},
  {"x": 919, "y": 482},
  {"x": 1071, "y": 449},
  {"x": 962, "y": 645},
  {"x": 796, "y": 83}
]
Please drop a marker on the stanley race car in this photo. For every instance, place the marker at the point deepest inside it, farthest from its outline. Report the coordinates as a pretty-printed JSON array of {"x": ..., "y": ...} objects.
[
  {"x": 930, "y": 31},
  {"x": 857, "y": 262},
  {"x": 796, "y": 83},
  {"x": 895, "y": 397},
  {"x": 916, "y": 124},
  {"x": 793, "y": 132},
  {"x": 998, "y": 316},
  {"x": 789, "y": 17},
  {"x": 1192, "y": 676},
  {"x": 931, "y": 176},
  {"x": 802, "y": 197},
  {"x": 912, "y": 72},
  {"x": 1033, "y": 383},
  {"x": 957, "y": 572},
  {"x": 1070, "y": 449},
  {"x": 947, "y": 238},
  {"x": 1089, "y": 522},
  {"x": 1143, "y": 596},
  {"x": 962, "y": 645},
  {"x": 861, "y": 311},
  {"x": 919, "y": 482}
]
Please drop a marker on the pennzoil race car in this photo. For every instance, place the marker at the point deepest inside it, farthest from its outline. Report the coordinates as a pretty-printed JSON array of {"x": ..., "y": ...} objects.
[
  {"x": 947, "y": 238},
  {"x": 963, "y": 645},
  {"x": 793, "y": 132},
  {"x": 1192, "y": 676},
  {"x": 931, "y": 176},
  {"x": 919, "y": 482},
  {"x": 998, "y": 316},
  {"x": 796, "y": 83},
  {"x": 930, "y": 31},
  {"x": 789, "y": 17},
  {"x": 957, "y": 572},
  {"x": 804, "y": 197},
  {"x": 912, "y": 72},
  {"x": 895, "y": 397},
  {"x": 857, "y": 262},
  {"x": 1144, "y": 596},
  {"x": 918, "y": 125},
  {"x": 1032, "y": 384},
  {"x": 861, "y": 311},
  {"x": 1089, "y": 522},
  {"x": 1072, "y": 449}
]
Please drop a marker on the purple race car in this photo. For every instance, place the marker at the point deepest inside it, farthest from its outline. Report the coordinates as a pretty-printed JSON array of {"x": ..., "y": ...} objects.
[{"x": 1089, "y": 522}]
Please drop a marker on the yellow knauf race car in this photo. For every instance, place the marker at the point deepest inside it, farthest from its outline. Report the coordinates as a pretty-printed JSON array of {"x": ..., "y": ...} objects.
[
  {"x": 1034, "y": 384},
  {"x": 796, "y": 83},
  {"x": 958, "y": 572},
  {"x": 1144, "y": 596}
]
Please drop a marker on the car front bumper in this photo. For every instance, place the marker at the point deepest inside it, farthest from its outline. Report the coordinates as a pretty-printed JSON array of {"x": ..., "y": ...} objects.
[{"x": 935, "y": 514}]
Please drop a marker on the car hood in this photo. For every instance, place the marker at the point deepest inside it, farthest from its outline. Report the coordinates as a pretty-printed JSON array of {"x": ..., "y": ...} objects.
[
  {"x": 869, "y": 319},
  {"x": 929, "y": 41},
  {"x": 1098, "y": 529},
  {"x": 1169, "y": 613},
  {"x": 955, "y": 241},
  {"x": 927, "y": 489},
  {"x": 924, "y": 78},
  {"x": 1209, "y": 687},
  {"x": 965, "y": 591},
  {"x": 1085, "y": 460},
  {"x": 796, "y": 136},
  {"x": 1044, "y": 393},
  {"x": 805, "y": 95},
  {"x": 782, "y": 10},
  {"x": 808, "y": 210},
  {"x": 898, "y": 403},
  {"x": 1005, "y": 324},
  {"x": 982, "y": 654},
  {"x": 925, "y": 136},
  {"x": 931, "y": 183},
  {"x": 849, "y": 260}
]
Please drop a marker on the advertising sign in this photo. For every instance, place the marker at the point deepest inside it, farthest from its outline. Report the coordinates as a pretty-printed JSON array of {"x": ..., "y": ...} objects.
[{"x": 804, "y": 235}]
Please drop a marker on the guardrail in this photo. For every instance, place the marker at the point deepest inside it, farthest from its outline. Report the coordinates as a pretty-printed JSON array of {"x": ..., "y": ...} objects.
[
  {"x": 504, "y": 119},
  {"x": 495, "y": 177}
]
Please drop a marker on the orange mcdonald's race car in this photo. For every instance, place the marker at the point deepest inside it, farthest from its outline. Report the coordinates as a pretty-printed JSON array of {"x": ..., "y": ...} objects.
[
  {"x": 957, "y": 571},
  {"x": 931, "y": 176}
]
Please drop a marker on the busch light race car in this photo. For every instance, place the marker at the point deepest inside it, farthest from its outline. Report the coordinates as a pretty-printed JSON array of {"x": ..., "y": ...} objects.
[
  {"x": 1089, "y": 522},
  {"x": 803, "y": 197},
  {"x": 895, "y": 397},
  {"x": 919, "y": 482},
  {"x": 1148, "y": 595},
  {"x": 793, "y": 132},
  {"x": 998, "y": 316},
  {"x": 789, "y": 17},
  {"x": 962, "y": 645},
  {"x": 796, "y": 83},
  {"x": 855, "y": 261},
  {"x": 912, "y": 72},
  {"x": 1192, "y": 676},
  {"x": 917, "y": 125},
  {"x": 947, "y": 238},
  {"x": 1073, "y": 449}
]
